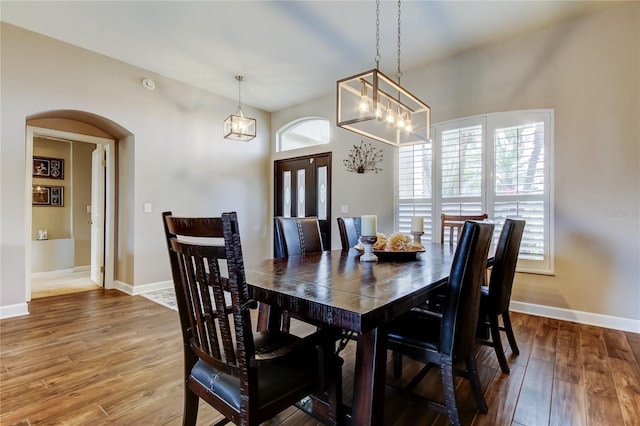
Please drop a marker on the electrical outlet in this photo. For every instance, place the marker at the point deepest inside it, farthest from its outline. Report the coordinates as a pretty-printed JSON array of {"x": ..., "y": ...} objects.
[{"x": 344, "y": 208}]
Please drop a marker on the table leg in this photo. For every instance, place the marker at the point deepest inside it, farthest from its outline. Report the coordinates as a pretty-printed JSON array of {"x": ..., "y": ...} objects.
[{"x": 369, "y": 378}]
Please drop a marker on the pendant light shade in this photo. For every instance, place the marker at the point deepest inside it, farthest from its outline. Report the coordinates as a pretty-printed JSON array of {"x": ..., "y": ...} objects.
[
  {"x": 238, "y": 126},
  {"x": 373, "y": 105}
]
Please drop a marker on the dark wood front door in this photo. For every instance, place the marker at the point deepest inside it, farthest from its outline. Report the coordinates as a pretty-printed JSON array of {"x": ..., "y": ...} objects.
[{"x": 303, "y": 189}]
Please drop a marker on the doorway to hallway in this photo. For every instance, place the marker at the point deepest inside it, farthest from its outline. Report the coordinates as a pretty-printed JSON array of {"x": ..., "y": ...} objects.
[{"x": 90, "y": 221}]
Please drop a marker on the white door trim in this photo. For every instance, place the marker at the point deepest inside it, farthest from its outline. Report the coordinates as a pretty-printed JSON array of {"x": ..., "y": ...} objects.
[
  {"x": 98, "y": 165},
  {"x": 109, "y": 228}
]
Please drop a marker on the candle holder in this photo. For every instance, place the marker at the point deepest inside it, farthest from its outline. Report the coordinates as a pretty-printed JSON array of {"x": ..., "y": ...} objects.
[
  {"x": 368, "y": 243},
  {"x": 417, "y": 241}
]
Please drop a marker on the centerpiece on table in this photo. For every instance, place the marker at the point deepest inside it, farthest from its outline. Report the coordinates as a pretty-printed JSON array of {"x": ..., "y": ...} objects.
[{"x": 398, "y": 246}]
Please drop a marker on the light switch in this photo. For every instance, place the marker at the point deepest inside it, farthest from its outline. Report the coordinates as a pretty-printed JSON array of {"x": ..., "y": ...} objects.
[
  {"x": 147, "y": 207},
  {"x": 344, "y": 208},
  {"x": 89, "y": 208}
]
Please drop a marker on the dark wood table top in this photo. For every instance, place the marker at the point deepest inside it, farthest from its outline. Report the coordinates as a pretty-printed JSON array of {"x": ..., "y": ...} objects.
[{"x": 335, "y": 288}]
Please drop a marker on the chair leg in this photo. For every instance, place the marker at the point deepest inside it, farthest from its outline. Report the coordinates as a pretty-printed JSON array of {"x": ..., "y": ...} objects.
[
  {"x": 263, "y": 317},
  {"x": 271, "y": 318},
  {"x": 191, "y": 401},
  {"x": 286, "y": 322},
  {"x": 397, "y": 365},
  {"x": 506, "y": 319},
  {"x": 449, "y": 391},
  {"x": 476, "y": 387},
  {"x": 497, "y": 343}
]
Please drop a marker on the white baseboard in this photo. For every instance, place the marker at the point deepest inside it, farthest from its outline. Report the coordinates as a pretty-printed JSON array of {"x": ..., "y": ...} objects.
[
  {"x": 11, "y": 311},
  {"x": 599, "y": 320},
  {"x": 52, "y": 273},
  {"x": 82, "y": 268},
  {"x": 140, "y": 289}
]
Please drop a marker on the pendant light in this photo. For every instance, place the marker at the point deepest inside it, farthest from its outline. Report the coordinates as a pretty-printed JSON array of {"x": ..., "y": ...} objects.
[
  {"x": 237, "y": 126},
  {"x": 373, "y": 105}
]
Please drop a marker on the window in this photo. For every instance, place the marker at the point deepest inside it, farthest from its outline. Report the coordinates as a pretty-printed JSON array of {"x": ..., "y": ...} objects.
[
  {"x": 414, "y": 188},
  {"x": 496, "y": 163},
  {"x": 303, "y": 133}
]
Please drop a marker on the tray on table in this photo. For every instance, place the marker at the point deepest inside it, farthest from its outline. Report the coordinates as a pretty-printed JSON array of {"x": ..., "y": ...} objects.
[{"x": 391, "y": 255}]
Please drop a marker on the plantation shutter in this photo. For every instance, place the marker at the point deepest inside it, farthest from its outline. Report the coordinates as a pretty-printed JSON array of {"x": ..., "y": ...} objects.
[
  {"x": 521, "y": 182},
  {"x": 415, "y": 187},
  {"x": 496, "y": 164}
]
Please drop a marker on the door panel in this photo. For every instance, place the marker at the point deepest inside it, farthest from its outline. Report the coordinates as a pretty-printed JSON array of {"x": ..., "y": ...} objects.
[
  {"x": 303, "y": 189},
  {"x": 97, "y": 215},
  {"x": 300, "y": 194}
]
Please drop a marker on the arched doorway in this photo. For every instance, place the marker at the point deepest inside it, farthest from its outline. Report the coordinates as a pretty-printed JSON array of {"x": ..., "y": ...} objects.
[{"x": 81, "y": 126}]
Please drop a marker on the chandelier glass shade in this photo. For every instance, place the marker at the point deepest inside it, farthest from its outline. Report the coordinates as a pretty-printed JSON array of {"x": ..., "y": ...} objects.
[
  {"x": 238, "y": 126},
  {"x": 373, "y": 105}
]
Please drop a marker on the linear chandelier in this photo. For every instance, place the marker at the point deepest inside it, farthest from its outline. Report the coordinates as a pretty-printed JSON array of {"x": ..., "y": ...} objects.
[
  {"x": 373, "y": 105},
  {"x": 238, "y": 126}
]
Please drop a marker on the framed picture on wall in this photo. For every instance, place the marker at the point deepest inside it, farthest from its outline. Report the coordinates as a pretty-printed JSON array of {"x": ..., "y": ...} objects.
[
  {"x": 43, "y": 195},
  {"x": 56, "y": 196},
  {"x": 49, "y": 168}
]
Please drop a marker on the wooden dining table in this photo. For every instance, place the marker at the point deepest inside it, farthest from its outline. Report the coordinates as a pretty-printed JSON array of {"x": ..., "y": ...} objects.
[{"x": 336, "y": 289}]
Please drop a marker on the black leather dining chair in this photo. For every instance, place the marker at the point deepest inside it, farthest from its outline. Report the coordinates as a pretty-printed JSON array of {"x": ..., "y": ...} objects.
[
  {"x": 248, "y": 377},
  {"x": 350, "y": 230},
  {"x": 495, "y": 299},
  {"x": 296, "y": 236},
  {"x": 447, "y": 339}
]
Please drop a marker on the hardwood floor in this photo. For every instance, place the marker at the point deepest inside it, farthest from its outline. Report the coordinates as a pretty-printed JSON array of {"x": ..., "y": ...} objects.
[{"x": 103, "y": 357}]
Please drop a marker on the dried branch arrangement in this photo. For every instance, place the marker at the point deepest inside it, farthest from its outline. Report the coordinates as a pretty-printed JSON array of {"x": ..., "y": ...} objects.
[{"x": 363, "y": 159}]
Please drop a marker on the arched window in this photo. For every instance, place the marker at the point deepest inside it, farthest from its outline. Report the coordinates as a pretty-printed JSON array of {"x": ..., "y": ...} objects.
[{"x": 303, "y": 133}]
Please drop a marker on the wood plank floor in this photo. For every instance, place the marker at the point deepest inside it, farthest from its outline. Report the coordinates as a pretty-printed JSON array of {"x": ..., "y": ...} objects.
[{"x": 103, "y": 357}]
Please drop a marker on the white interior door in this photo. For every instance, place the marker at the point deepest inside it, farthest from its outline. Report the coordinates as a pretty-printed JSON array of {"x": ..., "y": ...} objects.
[{"x": 97, "y": 215}]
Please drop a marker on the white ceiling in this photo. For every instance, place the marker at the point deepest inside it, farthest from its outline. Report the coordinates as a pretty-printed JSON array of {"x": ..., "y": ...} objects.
[{"x": 288, "y": 51}]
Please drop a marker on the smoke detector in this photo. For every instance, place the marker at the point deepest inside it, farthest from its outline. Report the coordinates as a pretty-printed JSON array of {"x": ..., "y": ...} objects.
[{"x": 148, "y": 84}]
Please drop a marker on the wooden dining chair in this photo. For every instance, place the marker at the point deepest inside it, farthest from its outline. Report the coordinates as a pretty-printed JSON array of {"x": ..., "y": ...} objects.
[
  {"x": 454, "y": 223},
  {"x": 495, "y": 299},
  {"x": 350, "y": 231},
  {"x": 248, "y": 377},
  {"x": 446, "y": 339}
]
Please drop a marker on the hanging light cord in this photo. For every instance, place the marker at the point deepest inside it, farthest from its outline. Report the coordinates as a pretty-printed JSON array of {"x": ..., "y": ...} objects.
[
  {"x": 399, "y": 73},
  {"x": 377, "y": 34},
  {"x": 239, "y": 78}
]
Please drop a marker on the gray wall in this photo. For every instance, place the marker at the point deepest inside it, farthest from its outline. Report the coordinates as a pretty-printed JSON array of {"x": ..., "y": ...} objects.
[
  {"x": 588, "y": 70},
  {"x": 173, "y": 155}
]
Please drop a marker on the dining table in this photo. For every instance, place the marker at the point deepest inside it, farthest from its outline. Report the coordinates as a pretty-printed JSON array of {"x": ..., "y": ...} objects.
[{"x": 334, "y": 288}]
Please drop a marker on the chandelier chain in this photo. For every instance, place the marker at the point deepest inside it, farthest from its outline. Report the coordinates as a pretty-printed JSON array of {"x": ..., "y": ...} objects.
[
  {"x": 239, "y": 78},
  {"x": 399, "y": 73},
  {"x": 377, "y": 34},
  {"x": 376, "y": 106}
]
